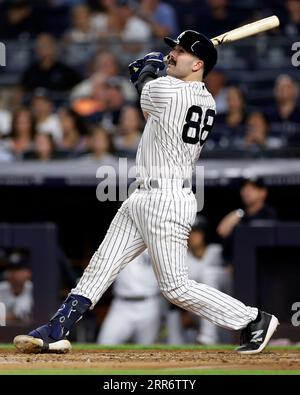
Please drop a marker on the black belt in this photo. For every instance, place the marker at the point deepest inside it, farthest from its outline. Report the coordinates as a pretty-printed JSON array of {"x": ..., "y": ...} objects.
[
  {"x": 135, "y": 298},
  {"x": 153, "y": 183}
]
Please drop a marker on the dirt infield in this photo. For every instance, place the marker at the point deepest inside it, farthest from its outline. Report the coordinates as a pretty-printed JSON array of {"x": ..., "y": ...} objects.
[{"x": 285, "y": 360}]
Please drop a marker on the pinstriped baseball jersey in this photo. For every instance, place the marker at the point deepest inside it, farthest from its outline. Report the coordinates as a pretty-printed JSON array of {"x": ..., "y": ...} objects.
[{"x": 181, "y": 115}]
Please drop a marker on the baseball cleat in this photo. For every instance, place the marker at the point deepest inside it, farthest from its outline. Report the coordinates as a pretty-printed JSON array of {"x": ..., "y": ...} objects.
[
  {"x": 32, "y": 345},
  {"x": 256, "y": 335},
  {"x": 51, "y": 337}
]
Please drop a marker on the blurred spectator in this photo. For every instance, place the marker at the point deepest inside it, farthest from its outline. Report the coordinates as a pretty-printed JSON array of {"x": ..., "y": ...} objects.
[
  {"x": 43, "y": 149},
  {"x": 5, "y": 122},
  {"x": 48, "y": 72},
  {"x": 160, "y": 16},
  {"x": 46, "y": 120},
  {"x": 20, "y": 21},
  {"x": 275, "y": 6},
  {"x": 129, "y": 132},
  {"x": 256, "y": 131},
  {"x": 291, "y": 26},
  {"x": 257, "y": 134},
  {"x": 106, "y": 65},
  {"x": 82, "y": 29},
  {"x": 115, "y": 101},
  {"x": 104, "y": 103},
  {"x": 284, "y": 116},
  {"x": 100, "y": 145},
  {"x": 253, "y": 195},
  {"x": 93, "y": 103},
  {"x": 236, "y": 113},
  {"x": 189, "y": 13},
  {"x": 5, "y": 114},
  {"x": 232, "y": 123},
  {"x": 215, "y": 83},
  {"x": 74, "y": 132},
  {"x": 219, "y": 18},
  {"x": 69, "y": 3},
  {"x": 118, "y": 21},
  {"x": 135, "y": 313},
  {"x": 16, "y": 291},
  {"x": 22, "y": 133},
  {"x": 5, "y": 154}
]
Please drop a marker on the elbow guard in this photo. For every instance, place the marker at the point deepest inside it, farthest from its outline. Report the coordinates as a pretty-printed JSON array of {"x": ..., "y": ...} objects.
[{"x": 149, "y": 73}]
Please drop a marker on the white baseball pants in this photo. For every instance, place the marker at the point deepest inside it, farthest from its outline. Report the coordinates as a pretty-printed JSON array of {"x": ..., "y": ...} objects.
[{"x": 160, "y": 219}]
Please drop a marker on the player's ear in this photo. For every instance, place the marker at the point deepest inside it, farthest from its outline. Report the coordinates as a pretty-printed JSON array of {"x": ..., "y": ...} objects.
[{"x": 198, "y": 64}]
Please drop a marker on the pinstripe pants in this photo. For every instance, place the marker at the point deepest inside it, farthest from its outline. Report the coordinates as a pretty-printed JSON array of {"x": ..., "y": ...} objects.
[{"x": 160, "y": 220}]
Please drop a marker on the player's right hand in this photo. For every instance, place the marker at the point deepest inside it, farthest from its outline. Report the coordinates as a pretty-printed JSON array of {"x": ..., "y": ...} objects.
[
  {"x": 155, "y": 58},
  {"x": 135, "y": 68}
]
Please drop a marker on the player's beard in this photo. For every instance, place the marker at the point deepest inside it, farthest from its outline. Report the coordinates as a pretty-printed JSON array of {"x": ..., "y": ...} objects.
[
  {"x": 180, "y": 70},
  {"x": 176, "y": 72},
  {"x": 171, "y": 71}
]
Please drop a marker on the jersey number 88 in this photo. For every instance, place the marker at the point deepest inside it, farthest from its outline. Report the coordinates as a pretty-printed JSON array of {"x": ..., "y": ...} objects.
[{"x": 201, "y": 133}]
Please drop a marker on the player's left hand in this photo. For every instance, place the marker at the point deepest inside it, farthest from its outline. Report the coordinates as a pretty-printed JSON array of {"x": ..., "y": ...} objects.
[
  {"x": 155, "y": 58},
  {"x": 135, "y": 68}
]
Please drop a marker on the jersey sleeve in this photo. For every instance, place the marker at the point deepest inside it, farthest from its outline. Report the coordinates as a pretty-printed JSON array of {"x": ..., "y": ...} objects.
[
  {"x": 156, "y": 96},
  {"x": 146, "y": 102}
]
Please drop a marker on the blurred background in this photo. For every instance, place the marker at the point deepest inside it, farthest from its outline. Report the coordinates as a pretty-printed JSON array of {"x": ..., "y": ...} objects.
[{"x": 67, "y": 107}]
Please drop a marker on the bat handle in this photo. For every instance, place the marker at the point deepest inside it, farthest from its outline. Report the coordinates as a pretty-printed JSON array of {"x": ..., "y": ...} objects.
[{"x": 166, "y": 58}]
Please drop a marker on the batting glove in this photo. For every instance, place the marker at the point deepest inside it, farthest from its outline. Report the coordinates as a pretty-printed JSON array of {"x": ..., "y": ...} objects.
[
  {"x": 135, "y": 68},
  {"x": 155, "y": 58}
]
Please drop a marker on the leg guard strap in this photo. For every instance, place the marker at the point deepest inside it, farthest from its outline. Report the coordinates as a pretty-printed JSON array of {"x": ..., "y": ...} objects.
[{"x": 67, "y": 315}]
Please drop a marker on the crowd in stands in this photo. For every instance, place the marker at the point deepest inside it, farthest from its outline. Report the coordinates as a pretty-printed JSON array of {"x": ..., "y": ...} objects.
[{"x": 66, "y": 91}]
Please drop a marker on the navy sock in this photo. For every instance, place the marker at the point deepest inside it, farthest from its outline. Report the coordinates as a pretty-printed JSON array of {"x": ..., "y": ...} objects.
[{"x": 67, "y": 315}]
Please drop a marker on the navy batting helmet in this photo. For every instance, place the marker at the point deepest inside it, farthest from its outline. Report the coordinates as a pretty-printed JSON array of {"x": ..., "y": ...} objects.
[{"x": 197, "y": 44}]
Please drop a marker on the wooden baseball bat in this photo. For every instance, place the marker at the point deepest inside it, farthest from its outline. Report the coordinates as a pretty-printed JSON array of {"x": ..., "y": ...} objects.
[{"x": 248, "y": 30}]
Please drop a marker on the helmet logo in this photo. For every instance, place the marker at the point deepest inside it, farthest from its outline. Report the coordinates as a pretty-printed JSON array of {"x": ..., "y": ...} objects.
[{"x": 192, "y": 46}]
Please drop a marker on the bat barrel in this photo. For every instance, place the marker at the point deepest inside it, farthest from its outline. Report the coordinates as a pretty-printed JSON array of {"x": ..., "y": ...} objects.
[
  {"x": 241, "y": 32},
  {"x": 248, "y": 30}
]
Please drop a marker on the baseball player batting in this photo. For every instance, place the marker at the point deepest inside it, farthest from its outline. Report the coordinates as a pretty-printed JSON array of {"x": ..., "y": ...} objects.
[{"x": 180, "y": 114}]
